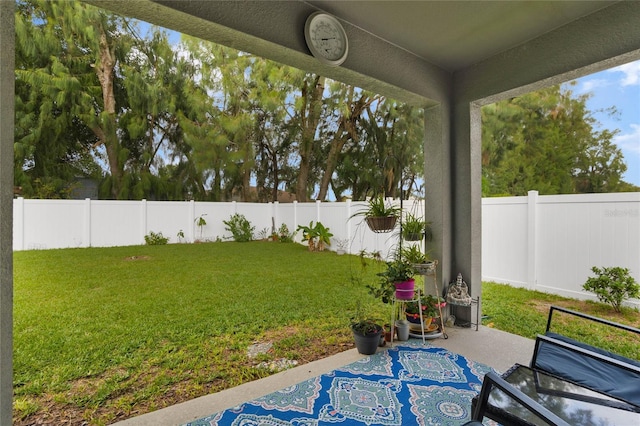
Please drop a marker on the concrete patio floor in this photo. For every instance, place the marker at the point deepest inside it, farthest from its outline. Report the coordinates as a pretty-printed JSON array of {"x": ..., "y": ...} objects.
[{"x": 491, "y": 347}]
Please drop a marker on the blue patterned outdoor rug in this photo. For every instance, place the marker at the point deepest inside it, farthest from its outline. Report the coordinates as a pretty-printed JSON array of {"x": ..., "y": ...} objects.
[{"x": 405, "y": 385}]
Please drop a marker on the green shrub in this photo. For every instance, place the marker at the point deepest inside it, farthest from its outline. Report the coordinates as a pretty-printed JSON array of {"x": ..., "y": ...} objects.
[
  {"x": 612, "y": 285},
  {"x": 284, "y": 235},
  {"x": 240, "y": 228},
  {"x": 153, "y": 239}
]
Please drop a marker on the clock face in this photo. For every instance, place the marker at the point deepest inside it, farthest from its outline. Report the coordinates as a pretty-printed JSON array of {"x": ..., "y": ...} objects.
[{"x": 326, "y": 38}]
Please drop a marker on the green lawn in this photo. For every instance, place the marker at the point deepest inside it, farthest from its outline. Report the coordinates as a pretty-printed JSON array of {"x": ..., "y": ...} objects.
[
  {"x": 105, "y": 334},
  {"x": 108, "y": 332}
]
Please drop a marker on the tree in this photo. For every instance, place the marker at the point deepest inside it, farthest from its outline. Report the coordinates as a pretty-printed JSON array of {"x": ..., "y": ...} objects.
[
  {"x": 348, "y": 110},
  {"x": 193, "y": 121},
  {"x": 393, "y": 135},
  {"x": 52, "y": 145},
  {"x": 546, "y": 140}
]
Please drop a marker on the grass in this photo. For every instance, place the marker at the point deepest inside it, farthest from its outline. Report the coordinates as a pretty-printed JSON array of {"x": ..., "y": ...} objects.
[
  {"x": 104, "y": 334},
  {"x": 108, "y": 333},
  {"x": 525, "y": 312}
]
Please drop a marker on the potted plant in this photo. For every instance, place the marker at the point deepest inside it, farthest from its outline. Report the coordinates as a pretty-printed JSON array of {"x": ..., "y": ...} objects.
[
  {"x": 342, "y": 244},
  {"x": 399, "y": 275},
  {"x": 379, "y": 215},
  {"x": 419, "y": 261},
  {"x": 429, "y": 305},
  {"x": 366, "y": 333},
  {"x": 413, "y": 228}
]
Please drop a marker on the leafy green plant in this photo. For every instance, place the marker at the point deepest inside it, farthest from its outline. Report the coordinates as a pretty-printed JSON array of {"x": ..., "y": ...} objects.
[
  {"x": 200, "y": 223},
  {"x": 398, "y": 270},
  {"x": 412, "y": 254},
  {"x": 366, "y": 327},
  {"x": 362, "y": 325},
  {"x": 429, "y": 304},
  {"x": 180, "y": 235},
  {"x": 284, "y": 235},
  {"x": 153, "y": 239},
  {"x": 412, "y": 228},
  {"x": 317, "y": 236},
  {"x": 263, "y": 234},
  {"x": 240, "y": 228},
  {"x": 379, "y": 215},
  {"x": 378, "y": 207},
  {"x": 612, "y": 285}
]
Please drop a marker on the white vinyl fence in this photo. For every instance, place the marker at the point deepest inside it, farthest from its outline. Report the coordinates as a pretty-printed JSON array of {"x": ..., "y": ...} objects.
[
  {"x": 546, "y": 243},
  {"x": 549, "y": 243},
  {"x": 50, "y": 224}
]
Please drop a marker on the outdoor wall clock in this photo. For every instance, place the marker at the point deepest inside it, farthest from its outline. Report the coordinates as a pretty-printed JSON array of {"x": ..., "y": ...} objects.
[{"x": 326, "y": 38}]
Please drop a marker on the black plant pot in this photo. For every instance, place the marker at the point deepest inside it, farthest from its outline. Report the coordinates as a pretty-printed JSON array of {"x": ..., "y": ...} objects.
[{"x": 367, "y": 345}]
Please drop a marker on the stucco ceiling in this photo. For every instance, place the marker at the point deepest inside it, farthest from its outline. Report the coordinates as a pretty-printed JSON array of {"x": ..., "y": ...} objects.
[{"x": 456, "y": 34}]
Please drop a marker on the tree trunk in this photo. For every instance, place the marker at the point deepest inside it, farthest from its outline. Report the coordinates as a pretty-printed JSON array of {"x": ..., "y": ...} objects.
[
  {"x": 106, "y": 133},
  {"x": 347, "y": 129},
  {"x": 309, "y": 120}
]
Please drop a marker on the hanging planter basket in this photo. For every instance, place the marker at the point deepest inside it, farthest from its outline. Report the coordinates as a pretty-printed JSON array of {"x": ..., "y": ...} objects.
[
  {"x": 411, "y": 236},
  {"x": 381, "y": 224}
]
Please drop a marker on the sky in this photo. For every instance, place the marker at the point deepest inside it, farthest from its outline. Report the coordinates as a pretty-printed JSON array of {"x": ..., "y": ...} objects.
[{"x": 619, "y": 87}]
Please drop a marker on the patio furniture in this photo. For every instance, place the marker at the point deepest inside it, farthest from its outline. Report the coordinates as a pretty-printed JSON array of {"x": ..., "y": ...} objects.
[
  {"x": 589, "y": 366},
  {"x": 493, "y": 384},
  {"x": 525, "y": 396},
  {"x": 577, "y": 382}
]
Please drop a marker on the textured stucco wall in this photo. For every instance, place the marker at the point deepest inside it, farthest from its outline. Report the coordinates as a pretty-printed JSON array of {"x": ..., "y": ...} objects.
[{"x": 6, "y": 207}]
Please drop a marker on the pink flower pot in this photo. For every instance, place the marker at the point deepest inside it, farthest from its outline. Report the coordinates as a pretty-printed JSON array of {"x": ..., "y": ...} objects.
[{"x": 405, "y": 289}]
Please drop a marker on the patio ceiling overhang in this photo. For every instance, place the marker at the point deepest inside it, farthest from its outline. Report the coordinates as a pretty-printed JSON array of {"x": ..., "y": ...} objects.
[{"x": 450, "y": 57}]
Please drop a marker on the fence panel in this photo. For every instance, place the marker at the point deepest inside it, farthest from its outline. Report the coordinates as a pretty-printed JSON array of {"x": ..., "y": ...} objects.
[
  {"x": 546, "y": 243},
  {"x": 577, "y": 232},
  {"x": 113, "y": 223},
  {"x": 504, "y": 240}
]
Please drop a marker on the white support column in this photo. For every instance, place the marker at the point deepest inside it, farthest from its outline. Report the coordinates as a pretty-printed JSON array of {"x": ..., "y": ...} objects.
[
  {"x": 532, "y": 219},
  {"x": 295, "y": 220},
  {"x": 191, "y": 229},
  {"x": 86, "y": 233},
  {"x": 7, "y": 114},
  {"x": 275, "y": 213},
  {"x": 347, "y": 205},
  {"x": 143, "y": 220},
  {"x": 318, "y": 213},
  {"x": 18, "y": 223}
]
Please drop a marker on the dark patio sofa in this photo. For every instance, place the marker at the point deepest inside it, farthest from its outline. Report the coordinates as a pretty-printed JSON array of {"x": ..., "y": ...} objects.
[
  {"x": 587, "y": 365},
  {"x": 574, "y": 361}
]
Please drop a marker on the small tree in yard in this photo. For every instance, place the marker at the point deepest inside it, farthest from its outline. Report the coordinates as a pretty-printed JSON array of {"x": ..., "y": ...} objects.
[
  {"x": 240, "y": 228},
  {"x": 612, "y": 285}
]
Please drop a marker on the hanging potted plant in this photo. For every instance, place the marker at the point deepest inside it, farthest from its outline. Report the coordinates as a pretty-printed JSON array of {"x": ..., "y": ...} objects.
[
  {"x": 414, "y": 228},
  {"x": 379, "y": 215}
]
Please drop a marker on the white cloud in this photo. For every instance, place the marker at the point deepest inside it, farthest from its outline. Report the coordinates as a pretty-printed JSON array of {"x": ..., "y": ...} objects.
[
  {"x": 589, "y": 85},
  {"x": 631, "y": 73},
  {"x": 629, "y": 141}
]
